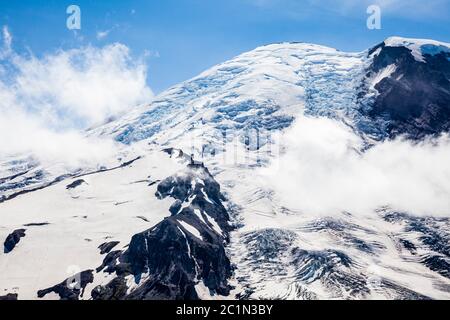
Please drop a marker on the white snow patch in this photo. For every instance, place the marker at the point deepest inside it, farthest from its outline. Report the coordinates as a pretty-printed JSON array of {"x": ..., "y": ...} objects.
[
  {"x": 203, "y": 291},
  {"x": 199, "y": 215},
  {"x": 187, "y": 242},
  {"x": 206, "y": 196},
  {"x": 191, "y": 229},
  {"x": 214, "y": 224},
  {"x": 382, "y": 74}
]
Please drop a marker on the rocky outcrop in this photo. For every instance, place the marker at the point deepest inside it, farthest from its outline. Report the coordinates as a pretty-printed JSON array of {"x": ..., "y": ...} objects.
[
  {"x": 13, "y": 239},
  {"x": 413, "y": 101},
  {"x": 107, "y": 246},
  {"x": 75, "y": 184},
  {"x": 72, "y": 288},
  {"x": 170, "y": 259},
  {"x": 9, "y": 297}
]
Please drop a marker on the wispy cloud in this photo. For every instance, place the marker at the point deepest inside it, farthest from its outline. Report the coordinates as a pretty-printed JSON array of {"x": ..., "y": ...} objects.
[
  {"x": 102, "y": 34},
  {"x": 5, "y": 47},
  {"x": 45, "y": 101},
  {"x": 7, "y": 38}
]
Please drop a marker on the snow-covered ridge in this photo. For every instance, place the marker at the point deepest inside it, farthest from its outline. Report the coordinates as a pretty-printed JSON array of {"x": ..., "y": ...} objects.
[
  {"x": 263, "y": 89},
  {"x": 419, "y": 47}
]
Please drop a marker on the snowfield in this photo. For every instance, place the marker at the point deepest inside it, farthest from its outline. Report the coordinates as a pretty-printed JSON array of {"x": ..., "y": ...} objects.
[{"x": 109, "y": 206}]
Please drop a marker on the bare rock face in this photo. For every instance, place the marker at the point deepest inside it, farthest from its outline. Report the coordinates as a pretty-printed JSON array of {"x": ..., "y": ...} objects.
[
  {"x": 71, "y": 288},
  {"x": 168, "y": 260},
  {"x": 9, "y": 297},
  {"x": 75, "y": 184},
  {"x": 414, "y": 101},
  {"x": 107, "y": 246},
  {"x": 13, "y": 239}
]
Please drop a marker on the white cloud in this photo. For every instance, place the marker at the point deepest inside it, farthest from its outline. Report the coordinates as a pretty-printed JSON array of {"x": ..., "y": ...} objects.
[
  {"x": 152, "y": 54},
  {"x": 323, "y": 173},
  {"x": 102, "y": 34},
  {"x": 7, "y": 38},
  {"x": 84, "y": 85},
  {"x": 45, "y": 101},
  {"x": 25, "y": 135}
]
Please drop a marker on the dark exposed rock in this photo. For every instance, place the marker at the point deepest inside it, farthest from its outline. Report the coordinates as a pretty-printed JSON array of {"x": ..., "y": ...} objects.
[
  {"x": 75, "y": 184},
  {"x": 178, "y": 154},
  {"x": 168, "y": 260},
  {"x": 9, "y": 297},
  {"x": 107, "y": 246},
  {"x": 130, "y": 162},
  {"x": 13, "y": 239},
  {"x": 361, "y": 244},
  {"x": 438, "y": 264},
  {"x": 115, "y": 290},
  {"x": 175, "y": 207},
  {"x": 71, "y": 288},
  {"x": 205, "y": 195},
  {"x": 36, "y": 224},
  {"x": 415, "y": 100},
  {"x": 109, "y": 262},
  {"x": 121, "y": 203},
  {"x": 143, "y": 218},
  {"x": 153, "y": 183},
  {"x": 408, "y": 245}
]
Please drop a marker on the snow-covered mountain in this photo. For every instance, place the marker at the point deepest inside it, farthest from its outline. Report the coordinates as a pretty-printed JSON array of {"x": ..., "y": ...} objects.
[{"x": 184, "y": 211}]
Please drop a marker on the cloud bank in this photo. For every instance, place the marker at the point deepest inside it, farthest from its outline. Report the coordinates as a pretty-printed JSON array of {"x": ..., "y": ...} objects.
[
  {"x": 45, "y": 101},
  {"x": 322, "y": 172}
]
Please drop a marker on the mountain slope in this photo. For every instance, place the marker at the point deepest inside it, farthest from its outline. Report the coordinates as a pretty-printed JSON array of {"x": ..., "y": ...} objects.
[
  {"x": 413, "y": 98},
  {"x": 183, "y": 212}
]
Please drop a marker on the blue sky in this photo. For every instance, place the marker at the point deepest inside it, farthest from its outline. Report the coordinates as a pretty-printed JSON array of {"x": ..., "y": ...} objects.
[{"x": 185, "y": 37}]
